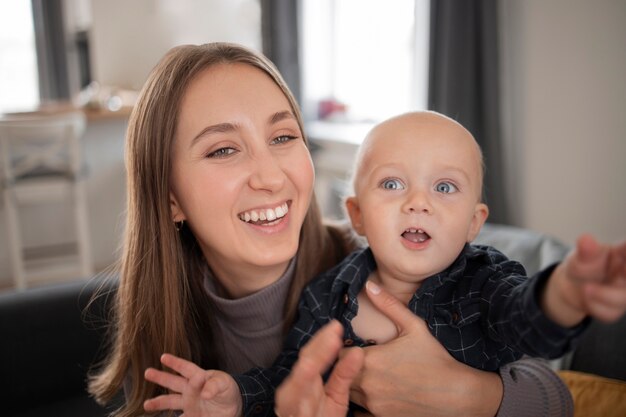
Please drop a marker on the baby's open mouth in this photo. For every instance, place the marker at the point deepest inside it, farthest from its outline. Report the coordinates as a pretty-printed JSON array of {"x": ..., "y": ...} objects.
[
  {"x": 265, "y": 216},
  {"x": 416, "y": 235}
]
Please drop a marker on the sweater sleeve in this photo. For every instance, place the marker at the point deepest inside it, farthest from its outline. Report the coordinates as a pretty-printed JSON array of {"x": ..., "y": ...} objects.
[{"x": 533, "y": 389}]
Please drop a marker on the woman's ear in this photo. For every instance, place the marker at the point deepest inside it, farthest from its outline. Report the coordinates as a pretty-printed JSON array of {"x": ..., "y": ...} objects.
[
  {"x": 354, "y": 212},
  {"x": 177, "y": 212},
  {"x": 481, "y": 212}
]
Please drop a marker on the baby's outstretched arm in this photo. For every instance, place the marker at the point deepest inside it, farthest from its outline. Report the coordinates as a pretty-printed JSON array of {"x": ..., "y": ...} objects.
[
  {"x": 198, "y": 393},
  {"x": 590, "y": 281}
]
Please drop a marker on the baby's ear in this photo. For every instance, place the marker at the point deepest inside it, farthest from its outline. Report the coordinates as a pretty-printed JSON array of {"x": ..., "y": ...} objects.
[
  {"x": 354, "y": 212},
  {"x": 481, "y": 212}
]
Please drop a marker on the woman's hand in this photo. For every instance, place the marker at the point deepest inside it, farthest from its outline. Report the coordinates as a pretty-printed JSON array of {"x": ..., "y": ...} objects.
[
  {"x": 413, "y": 375},
  {"x": 198, "y": 393},
  {"x": 303, "y": 393}
]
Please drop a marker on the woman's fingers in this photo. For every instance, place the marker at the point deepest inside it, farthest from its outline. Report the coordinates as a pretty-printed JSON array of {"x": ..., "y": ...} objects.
[
  {"x": 302, "y": 392},
  {"x": 322, "y": 350},
  {"x": 391, "y": 307},
  {"x": 345, "y": 371}
]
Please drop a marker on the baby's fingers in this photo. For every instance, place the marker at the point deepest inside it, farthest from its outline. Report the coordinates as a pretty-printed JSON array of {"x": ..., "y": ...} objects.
[
  {"x": 617, "y": 264},
  {"x": 165, "y": 379},
  {"x": 605, "y": 302},
  {"x": 182, "y": 366},
  {"x": 164, "y": 402}
]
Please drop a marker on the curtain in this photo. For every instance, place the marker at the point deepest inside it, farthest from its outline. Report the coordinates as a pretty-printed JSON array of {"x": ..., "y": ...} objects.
[
  {"x": 464, "y": 83},
  {"x": 50, "y": 42},
  {"x": 279, "y": 28}
]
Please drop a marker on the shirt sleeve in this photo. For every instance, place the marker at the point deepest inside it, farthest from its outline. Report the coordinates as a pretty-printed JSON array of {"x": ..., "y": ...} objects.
[
  {"x": 533, "y": 389},
  {"x": 515, "y": 316}
]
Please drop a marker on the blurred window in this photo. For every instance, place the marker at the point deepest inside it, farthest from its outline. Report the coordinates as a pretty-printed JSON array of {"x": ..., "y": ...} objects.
[
  {"x": 19, "y": 85},
  {"x": 363, "y": 60}
]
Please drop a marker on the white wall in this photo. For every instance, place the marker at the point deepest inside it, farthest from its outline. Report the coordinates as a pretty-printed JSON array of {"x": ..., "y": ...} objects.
[
  {"x": 565, "y": 103},
  {"x": 129, "y": 37}
]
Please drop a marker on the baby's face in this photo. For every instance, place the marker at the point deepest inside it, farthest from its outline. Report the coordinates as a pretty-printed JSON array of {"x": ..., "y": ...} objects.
[{"x": 418, "y": 193}]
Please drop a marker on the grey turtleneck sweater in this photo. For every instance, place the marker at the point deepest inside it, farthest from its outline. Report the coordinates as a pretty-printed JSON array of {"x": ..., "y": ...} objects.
[{"x": 250, "y": 329}]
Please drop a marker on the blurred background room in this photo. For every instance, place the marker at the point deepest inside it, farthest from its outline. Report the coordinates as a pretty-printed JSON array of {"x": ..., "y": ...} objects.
[{"x": 540, "y": 83}]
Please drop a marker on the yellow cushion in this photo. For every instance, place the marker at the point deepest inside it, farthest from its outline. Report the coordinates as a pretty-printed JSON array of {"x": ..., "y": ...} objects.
[{"x": 594, "y": 395}]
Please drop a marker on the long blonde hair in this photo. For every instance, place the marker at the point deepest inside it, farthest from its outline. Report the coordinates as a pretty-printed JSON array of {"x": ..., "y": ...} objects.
[{"x": 160, "y": 303}]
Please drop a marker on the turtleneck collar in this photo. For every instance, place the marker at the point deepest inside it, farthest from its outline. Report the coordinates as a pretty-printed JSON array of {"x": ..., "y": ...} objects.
[{"x": 251, "y": 313}]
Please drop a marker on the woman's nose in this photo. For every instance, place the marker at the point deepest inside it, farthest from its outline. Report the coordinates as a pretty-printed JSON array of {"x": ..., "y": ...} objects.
[
  {"x": 267, "y": 173},
  {"x": 417, "y": 201}
]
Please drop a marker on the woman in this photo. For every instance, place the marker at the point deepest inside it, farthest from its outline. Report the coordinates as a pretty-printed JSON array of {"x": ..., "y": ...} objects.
[{"x": 222, "y": 223}]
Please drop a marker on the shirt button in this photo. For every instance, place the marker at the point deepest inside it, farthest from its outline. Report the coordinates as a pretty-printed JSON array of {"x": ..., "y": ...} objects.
[
  {"x": 455, "y": 317},
  {"x": 345, "y": 298},
  {"x": 348, "y": 342},
  {"x": 257, "y": 409}
]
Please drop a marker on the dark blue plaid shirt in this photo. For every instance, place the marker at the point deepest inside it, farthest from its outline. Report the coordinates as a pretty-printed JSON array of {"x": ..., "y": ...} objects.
[{"x": 483, "y": 309}]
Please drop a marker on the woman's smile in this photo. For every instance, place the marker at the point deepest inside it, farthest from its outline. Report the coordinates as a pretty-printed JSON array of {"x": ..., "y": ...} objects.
[{"x": 265, "y": 216}]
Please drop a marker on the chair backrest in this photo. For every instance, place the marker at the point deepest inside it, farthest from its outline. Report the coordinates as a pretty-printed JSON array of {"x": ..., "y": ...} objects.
[{"x": 34, "y": 145}]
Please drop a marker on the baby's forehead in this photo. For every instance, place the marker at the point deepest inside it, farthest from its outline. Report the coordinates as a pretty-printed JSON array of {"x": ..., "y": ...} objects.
[
  {"x": 423, "y": 128},
  {"x": 420, "y": 132}
]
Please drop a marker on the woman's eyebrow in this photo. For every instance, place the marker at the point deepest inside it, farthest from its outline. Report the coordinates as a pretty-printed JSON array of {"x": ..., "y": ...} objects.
[
  {"x": 230, "y": 127},
  {"x": 281, "y": 115},
  {"x": 218, "y": 128}
]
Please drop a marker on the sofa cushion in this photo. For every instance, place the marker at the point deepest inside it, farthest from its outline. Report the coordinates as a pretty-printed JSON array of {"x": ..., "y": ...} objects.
[
  {"x": 594, "y": 395},
  {"x": 532, "y": 249},
  {"x": 602, "y": 350},
  {"x": 49, "y": 343}
]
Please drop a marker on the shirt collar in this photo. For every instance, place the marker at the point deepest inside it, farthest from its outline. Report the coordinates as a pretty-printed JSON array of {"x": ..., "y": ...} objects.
[{"x": 361, "y": 263}]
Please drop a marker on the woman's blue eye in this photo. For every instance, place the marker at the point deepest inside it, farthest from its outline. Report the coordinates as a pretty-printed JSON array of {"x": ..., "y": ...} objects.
[
  {"x": 283, "y": 139},
  {"x": 446, "y": 188},
  {"x": 392, "y": 184},
  {"x": 221, "y": 152}
]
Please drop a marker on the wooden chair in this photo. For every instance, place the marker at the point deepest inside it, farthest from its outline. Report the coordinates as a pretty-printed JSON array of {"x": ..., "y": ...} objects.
[{"x": 42, "y": 163}]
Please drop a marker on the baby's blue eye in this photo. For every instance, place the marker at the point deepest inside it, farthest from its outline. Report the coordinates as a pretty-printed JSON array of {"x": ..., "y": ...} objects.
[
  {"x": 392, "y": 184},
  {"x": 446, "y": 188}
]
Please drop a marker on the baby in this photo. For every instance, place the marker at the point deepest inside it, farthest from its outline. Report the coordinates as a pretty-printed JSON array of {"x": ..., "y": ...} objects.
[{"x": 417, "y": 199}]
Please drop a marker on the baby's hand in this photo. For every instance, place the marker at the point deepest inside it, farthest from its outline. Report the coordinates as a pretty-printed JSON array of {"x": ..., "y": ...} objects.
[
  {"x": 198, "y": 393},
  {"x": 601, "y": 270},
  {"x": 592, "y": 280}
]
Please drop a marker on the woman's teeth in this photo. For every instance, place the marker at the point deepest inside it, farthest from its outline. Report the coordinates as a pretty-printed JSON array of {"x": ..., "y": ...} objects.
[{"x": 268, "y": 215}]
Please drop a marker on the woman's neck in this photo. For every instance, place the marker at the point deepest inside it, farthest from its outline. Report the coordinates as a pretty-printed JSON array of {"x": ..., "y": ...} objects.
[{"x": 242, "y": 280}]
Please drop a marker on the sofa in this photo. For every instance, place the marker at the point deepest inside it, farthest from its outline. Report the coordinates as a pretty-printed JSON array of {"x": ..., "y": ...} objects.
[{"x": 52, "y": 335}]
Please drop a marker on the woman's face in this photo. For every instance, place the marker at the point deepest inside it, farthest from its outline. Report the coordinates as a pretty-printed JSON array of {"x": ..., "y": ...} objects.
[{"x": 242, "y": 177}]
